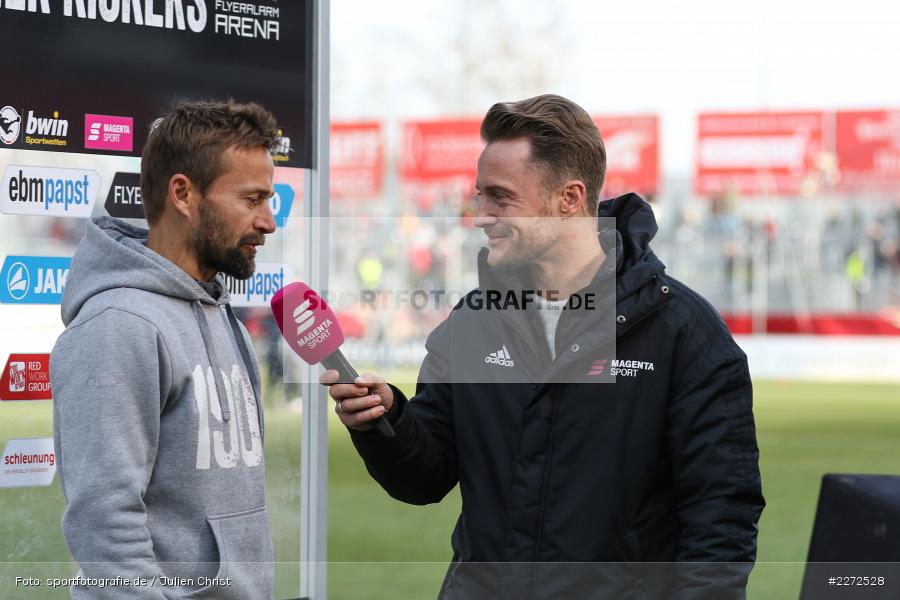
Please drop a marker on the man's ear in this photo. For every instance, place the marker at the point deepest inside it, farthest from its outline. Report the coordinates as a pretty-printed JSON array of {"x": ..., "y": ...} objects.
[
  {"x": 181, "y": 195},
  {"x": 573, "y": 195}
]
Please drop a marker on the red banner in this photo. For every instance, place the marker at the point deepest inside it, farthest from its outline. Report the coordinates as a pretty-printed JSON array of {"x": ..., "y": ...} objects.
[
  {"x": 758, "y": 153},
  {"x": 26, "y": 377},
  {"x": 868, "y": 149},
  {"x": 886, "y": 323},
  {"x": 632, "y": 154},
  {"x": 440, "y": 149},
  {"x": 356, "y": 160}
]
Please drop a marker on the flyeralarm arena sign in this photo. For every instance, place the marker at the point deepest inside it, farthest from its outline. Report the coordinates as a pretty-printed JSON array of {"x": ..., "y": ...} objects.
[{"x": 107, "y": 68}]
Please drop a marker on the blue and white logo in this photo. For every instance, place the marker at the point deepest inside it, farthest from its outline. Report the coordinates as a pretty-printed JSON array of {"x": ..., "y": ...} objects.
[
  {"x": 281, "y": 203},
  {"x": 258, "y": 290},
  {"x": 18, "y": 281},
  {"x": 34, "y": 279},
  {"x": 50, "y": 191}
]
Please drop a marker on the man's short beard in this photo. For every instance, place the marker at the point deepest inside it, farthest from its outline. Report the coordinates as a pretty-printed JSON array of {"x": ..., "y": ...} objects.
[
  {"x": 520, "y": 256},
  {"x": 209, "y": 241},
  {"x": 524, "y": 254}
]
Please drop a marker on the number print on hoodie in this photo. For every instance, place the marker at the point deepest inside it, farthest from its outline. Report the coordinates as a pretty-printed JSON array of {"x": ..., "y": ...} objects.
[{"x": 231, "y": 441}]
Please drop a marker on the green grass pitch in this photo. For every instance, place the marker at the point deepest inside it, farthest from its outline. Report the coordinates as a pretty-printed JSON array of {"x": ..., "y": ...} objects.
[{"x": 381, "y": 549}]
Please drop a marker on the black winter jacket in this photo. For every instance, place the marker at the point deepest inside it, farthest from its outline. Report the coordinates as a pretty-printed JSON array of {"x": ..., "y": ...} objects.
[{"x": 575, "y": 485}]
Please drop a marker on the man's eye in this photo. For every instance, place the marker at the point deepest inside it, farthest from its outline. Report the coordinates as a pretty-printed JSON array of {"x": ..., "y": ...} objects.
[{"x": 498, "y": 199}]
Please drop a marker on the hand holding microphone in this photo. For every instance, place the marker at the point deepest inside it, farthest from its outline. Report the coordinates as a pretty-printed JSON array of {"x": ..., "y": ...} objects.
[
  {"x": 312, "y": 330},
  {"x": 359, "y": 403}
]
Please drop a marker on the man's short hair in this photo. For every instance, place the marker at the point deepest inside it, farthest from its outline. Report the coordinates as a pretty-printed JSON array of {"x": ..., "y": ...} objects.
[
  {"x": 192, "y": 139},
  {"x": 564, "y": 140}
]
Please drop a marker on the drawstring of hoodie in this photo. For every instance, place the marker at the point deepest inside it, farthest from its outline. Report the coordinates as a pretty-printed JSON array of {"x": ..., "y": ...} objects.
[
  {"x": 248, "y": 363},
  {"x": 217, "y": 372},
  {"x": 213, "y": 362}
]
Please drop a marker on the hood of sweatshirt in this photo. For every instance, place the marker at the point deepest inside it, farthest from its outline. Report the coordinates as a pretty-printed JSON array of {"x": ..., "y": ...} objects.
[
  {"x": 158, "y": 424},
  {"x": 114, "y": 254}
]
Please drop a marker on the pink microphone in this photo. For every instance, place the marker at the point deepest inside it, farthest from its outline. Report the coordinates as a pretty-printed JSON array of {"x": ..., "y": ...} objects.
[{"x": 315, "y": 334}]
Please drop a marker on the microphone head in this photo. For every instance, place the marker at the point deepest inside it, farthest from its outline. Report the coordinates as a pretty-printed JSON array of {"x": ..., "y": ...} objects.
[{"x": 307, "y": 323}]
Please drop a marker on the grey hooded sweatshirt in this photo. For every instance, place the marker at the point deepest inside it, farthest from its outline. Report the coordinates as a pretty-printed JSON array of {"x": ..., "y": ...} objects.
[{"x": 157, "y": 428}]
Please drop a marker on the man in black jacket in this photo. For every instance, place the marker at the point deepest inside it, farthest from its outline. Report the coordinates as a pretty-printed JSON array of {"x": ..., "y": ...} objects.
[{"x": 604, "y": 443}]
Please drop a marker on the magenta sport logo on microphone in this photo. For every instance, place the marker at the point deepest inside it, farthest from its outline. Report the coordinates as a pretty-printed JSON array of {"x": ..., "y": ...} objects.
[
  {"x": 304, "y": 317},
  {"x": 307, "y": 322}
]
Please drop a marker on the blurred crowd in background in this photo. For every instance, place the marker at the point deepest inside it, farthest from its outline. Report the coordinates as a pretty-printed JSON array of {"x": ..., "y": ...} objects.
[
  {"x": 753, "y": 258},
  {"x": 810, "y": 258}
]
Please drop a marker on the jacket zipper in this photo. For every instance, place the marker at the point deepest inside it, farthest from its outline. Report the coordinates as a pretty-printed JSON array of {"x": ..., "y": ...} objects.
[
  {"x": 543, "y": 496},
  {"x": 548, "y": 462}
]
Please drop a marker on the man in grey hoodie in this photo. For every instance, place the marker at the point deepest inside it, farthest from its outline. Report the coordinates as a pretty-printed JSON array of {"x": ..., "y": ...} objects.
[{"x": 158, "y": 424}]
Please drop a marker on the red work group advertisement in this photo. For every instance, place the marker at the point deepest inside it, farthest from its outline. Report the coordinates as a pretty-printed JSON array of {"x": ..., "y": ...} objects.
[{"x": 26, "y": 377}]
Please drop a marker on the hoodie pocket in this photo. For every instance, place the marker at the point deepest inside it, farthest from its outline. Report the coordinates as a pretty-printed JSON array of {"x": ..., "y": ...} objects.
[{"x": 246, "y": 557}]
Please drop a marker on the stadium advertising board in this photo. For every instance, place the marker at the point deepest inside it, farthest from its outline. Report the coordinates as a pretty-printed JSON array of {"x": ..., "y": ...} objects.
[
  {"x": 764, "y": 153},
  {"x": 27, "y": 462},
  {"x": 632, "y": 154},
  {"x": 48, "y": 191},
  {"x": 33, "y": 279},
  {"x": 440, "y": 149},
  {"x": 356, "y": 161},
  {"x": 259, "y": 288},
  {"x": 444, "y": 149},
  {"x": 123, "y": 200},
  {"x": 26, "y": 377},
  {"x": 98, "y": 73},
  {"x": 868, "y": 149}
]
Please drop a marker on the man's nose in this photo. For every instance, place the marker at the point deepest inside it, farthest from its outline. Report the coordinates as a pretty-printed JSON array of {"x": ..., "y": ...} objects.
[
  {"x": 483, "y": 217},
  {"x": 266, "y": 221}
]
